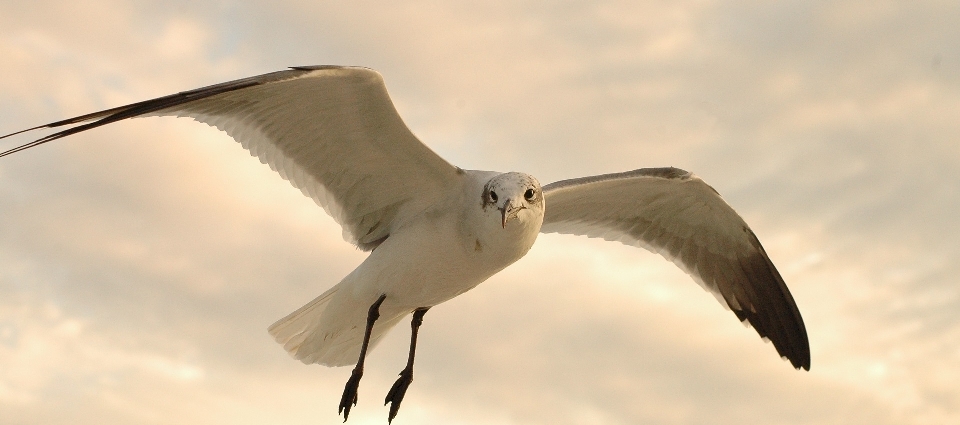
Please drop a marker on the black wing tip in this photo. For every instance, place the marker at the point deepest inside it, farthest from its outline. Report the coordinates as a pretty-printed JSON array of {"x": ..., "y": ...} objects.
[
  {"x": 128, "y": 111},
  {"x": 97, "y": 119},
  {"x": 777, "y": 317},
  {"x": 797, "y": 354},
  {"x": 800, "y": 361},
  {"x": 799, "y": 357},
  {"x": 39, "y": 141},
  {"x": 24, "y": 131}
]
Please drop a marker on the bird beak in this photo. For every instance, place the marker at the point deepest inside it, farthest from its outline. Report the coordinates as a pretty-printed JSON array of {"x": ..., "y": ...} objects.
[{"x": 509, "y": 212}]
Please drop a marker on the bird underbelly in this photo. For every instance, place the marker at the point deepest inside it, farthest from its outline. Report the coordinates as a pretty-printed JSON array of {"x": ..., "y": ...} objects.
[
  {"x": 414, "y": 275},
  {"x": 433, "y": 278}
]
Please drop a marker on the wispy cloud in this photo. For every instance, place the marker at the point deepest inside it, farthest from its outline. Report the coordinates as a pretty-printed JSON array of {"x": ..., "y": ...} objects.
[{"x": 141, "y": 263}]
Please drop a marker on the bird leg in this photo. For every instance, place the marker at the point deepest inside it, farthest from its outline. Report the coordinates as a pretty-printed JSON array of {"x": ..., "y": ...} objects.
[
  {"x": 399, "y": 388},
  {"x": 349, "y": 397}
]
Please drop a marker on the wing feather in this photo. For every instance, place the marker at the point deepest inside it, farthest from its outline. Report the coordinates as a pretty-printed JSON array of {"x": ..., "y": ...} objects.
[
  {"x": 672, "y": 212},
  {"x": 331, "y": 131}
]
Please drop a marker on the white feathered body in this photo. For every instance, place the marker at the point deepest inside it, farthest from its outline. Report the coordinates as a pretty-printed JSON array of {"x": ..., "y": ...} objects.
[{"x": 443, "y": 253}]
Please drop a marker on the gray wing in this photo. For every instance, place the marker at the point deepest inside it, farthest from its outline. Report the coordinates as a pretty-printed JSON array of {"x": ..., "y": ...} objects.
[
  {"x": 331, "y": 131},
  {"x": 672, "y": 212}
]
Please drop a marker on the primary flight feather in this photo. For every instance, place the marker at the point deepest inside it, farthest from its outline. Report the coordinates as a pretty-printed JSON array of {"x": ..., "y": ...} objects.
[{"x": 434, "y": 230}]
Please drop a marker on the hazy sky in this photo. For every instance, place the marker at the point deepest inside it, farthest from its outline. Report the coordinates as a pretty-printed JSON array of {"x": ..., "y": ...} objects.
[{"x": 141, "y": 263}]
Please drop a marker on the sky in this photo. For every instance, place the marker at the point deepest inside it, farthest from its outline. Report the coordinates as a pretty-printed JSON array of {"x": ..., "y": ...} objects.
[{"x": 141, "y": 263}]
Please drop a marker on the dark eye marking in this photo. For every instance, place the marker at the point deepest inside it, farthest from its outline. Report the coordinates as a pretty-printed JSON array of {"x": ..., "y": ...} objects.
[
  {"x": 493, "y": 196},
  {"x": 528, "y": 195}
]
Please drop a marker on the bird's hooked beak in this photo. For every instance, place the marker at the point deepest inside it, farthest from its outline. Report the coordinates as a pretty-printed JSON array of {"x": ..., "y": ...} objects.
[{"x": 509, "y": 212}]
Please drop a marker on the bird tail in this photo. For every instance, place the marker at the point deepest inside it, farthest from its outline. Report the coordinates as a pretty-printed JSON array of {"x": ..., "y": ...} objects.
[
  {"x": 293, "y": 329},
  {"x": 333, "y": 340}
]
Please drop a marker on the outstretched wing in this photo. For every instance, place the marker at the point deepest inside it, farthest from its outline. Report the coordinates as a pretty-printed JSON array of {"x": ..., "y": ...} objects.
[
  {"x": 331, "y": 131},
  {"x": 674, "y": 213}
]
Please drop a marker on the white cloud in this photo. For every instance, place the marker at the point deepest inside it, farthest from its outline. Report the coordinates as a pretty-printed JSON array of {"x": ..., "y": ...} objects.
[{"x": 141, "y": 263}]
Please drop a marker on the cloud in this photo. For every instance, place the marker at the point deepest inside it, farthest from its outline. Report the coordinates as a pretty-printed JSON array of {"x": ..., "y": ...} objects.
[{"x": 140, "y": 263}]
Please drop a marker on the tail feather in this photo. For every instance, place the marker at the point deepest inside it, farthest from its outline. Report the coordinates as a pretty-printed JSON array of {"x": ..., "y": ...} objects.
[
  {"x": 292, "y": 330},
  {"x": 332, "y": 341},
  {"x": 342, "y": 348}
]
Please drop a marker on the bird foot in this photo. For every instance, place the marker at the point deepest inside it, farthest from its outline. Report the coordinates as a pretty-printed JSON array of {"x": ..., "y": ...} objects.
[
  {"x": 349, "y": 398},
  {"x": 397, "y": 391}
]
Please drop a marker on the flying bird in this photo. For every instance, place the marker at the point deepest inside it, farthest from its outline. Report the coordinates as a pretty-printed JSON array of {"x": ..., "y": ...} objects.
[{"x": 434, "y": 230}]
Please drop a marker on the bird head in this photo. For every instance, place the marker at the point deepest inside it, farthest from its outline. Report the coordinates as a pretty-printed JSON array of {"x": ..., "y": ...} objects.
[{"x": 517, "y": 197}]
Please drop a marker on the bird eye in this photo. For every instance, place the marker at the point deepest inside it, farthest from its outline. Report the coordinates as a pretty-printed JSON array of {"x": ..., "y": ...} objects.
[
  {"x": 528, "y": 194},
  {"x": 493, "y": 196}
]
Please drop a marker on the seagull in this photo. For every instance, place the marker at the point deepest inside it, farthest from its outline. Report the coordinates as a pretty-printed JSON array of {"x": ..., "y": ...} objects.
[{"x": 434, "y": 230}]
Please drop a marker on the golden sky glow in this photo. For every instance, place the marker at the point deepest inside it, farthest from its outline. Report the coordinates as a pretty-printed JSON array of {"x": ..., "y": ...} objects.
[{"x": 141, "y": 263}]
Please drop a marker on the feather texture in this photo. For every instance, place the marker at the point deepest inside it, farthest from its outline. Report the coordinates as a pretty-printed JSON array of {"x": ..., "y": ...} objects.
[
  {"x": 333, "y": 132},
  {"x": 675, "y": 214}
]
